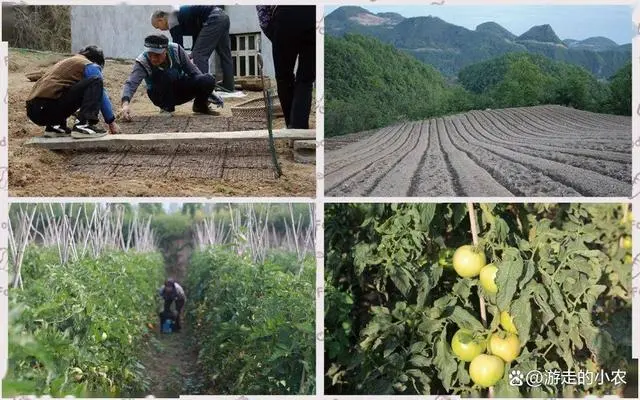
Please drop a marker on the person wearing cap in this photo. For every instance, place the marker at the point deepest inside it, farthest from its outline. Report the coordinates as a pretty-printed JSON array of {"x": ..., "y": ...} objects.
[
  {"x": 75, "y": 83},
  {"x": 172, "y": 292},
  {"x": 171, "y": 79},
  {"x": 208, "y": 27},
  {"x": 292, "y": 32}
]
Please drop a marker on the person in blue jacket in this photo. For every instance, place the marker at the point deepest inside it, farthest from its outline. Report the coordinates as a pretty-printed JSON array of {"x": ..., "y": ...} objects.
[
  {"x": 208, "y": 27},
  {"x": 72, "y": 85}
]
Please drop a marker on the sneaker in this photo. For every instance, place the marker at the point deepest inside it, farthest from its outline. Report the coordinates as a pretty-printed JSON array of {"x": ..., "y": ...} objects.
[
  {"x": 88, "y": 131},
  {"x": 54, "y": 131},
  {"x": 215, "y": 99},
  {"x": 165, "y": 113}
]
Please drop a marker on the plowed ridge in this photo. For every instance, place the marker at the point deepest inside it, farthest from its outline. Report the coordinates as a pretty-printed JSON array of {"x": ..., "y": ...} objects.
[{"x": 529, "y": 151}]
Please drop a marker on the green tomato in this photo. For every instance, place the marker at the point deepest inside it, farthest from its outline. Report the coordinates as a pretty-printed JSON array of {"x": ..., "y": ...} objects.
[
  {"x": 507, "y": 322},
  {"x": 486, "y": 370},
  {"x": 104, "y": 335},
  {"x": 465, "y": 346},
  {"x": 626, "y": 242},
  {"x": 488, "y": 278},
  {"x": 505, "y": 345},
  {"x": 468, "y": 262},
  {"x": 628, "y": 259}
]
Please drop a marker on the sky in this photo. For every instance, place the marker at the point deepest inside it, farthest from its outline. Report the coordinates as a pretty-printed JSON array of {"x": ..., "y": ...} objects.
[{"x": 569, "y": 22}]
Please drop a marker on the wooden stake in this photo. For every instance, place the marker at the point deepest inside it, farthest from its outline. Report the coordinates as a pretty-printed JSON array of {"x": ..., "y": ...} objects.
[{"x": 474, "y": 234}]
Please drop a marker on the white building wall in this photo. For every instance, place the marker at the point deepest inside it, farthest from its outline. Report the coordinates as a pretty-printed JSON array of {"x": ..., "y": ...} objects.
[{"x": 120, "y": 30}]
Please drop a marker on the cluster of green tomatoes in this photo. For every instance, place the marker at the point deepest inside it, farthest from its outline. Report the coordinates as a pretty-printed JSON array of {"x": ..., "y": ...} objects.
[{"x": 486, "y": 353}]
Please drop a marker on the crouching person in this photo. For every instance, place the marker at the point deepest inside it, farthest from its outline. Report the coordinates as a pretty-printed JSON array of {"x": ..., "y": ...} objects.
[
  {"x": 75, "y": 83},
  {"x": 172, "y": 292},
  {"x": 171, "y": 78}
]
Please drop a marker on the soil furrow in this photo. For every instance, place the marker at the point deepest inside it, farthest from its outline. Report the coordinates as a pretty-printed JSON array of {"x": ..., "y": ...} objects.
[
  {"x": 347, "y": 153},
  {"x": 366, "y": 152},
  {"x": 516, "y": 177},
  {"x": 572, "y": 126},
  {"x": 433, "y": 176},
  {"x": 473, "y": 179},
  {"x": 529, "y": 132},
  {"x": 397, "y": 181},
  {"x": 570, "y": 148},
  {"x": 587, "y": 182},
  {"x": 367, "y": 178},
  {"x": 363, "y": 177},
  {"x": 526, "y": 151}
]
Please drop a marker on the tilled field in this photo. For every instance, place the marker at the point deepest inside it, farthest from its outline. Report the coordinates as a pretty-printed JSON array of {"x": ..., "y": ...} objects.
[
  {"x": 529, "y": 151},
  {"x": 228, "y": 168}
]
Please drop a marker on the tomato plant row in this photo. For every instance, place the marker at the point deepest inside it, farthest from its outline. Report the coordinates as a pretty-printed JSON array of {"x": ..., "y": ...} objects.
[
  {"x": 77, "y": 329},
  {"x": 253, "y": 324},
  {"x": 403, "y": 286}
]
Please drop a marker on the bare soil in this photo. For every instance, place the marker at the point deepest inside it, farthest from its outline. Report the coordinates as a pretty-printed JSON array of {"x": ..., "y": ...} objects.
[
  {"x": 230, "y": 169},
  {"x": 528, "y": 151}
]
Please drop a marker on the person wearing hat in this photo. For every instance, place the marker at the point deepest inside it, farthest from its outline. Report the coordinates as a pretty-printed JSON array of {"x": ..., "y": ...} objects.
[
  {"x": 292, "y": 32},
  {"x": 171, "y": 79},
  {"x": 208, "y": 27},
  {"x": 75, "y": 83},
  {"x": 172, "y": 292}
]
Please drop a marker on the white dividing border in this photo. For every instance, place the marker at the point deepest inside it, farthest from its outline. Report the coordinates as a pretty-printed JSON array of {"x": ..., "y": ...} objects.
[
  {"x": 4, "y": 208},
  {"x": 635, "y": 203},
  {"x": 320, "y": 198}
]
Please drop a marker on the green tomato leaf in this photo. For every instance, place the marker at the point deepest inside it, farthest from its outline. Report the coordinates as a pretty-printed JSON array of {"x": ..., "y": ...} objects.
[
  {"x": 402, "y": 279},
  {"x": 444, "y": 361},
  {"x": 463, "y": 374},
  {"x": 507, "y": 278},
  {"x": 521, "y": 314},
  {"x": 504, "y": 389},
  {"x": 427, "y": 212},
  {"x": 464, "y": 319},
  {"x": 419, "y": 361},
  {"x": 427, "y": 281},
  {"x": 529, "y": 272}
]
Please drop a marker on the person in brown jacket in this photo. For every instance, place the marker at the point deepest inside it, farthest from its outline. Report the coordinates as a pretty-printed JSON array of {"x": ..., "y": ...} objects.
[{"x": 71, "y": 84}]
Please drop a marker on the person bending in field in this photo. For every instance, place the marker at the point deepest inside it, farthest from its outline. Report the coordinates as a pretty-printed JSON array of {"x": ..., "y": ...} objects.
[
  {"x": 208, "y": 27},
  {"x": 172, "y": 292},
  {"x": 71, "y": 84},
  {"x": 171, "y": 79}
]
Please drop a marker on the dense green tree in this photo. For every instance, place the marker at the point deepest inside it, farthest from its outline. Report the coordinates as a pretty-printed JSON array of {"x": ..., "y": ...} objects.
[{"x": 620, "y": 101}]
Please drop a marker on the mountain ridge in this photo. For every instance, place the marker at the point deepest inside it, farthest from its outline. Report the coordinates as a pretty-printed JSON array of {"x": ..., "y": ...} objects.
[{"x": 449, "y": 47}]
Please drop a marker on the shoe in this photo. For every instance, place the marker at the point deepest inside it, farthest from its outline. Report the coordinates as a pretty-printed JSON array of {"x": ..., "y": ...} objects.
[
  {"x": 215, "y": 99},
  {"x": 84, "y": 130},
  {"x": 165, "y": 113},
  {"x": 54, "y": 131},
  {"x": 204, "y": 110}
]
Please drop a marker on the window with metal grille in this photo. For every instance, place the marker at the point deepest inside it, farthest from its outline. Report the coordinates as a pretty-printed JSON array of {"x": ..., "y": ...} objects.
[{"x": 244, "y": 51}]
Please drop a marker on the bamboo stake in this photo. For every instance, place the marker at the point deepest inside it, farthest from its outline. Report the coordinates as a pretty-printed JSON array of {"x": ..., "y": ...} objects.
[{"x": 474, "y": 234}]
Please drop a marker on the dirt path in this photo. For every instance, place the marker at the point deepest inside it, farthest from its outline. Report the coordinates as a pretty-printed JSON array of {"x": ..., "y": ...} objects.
[
  {"x": 529, "y": 151},
  {"x": 170, "y": 361}
]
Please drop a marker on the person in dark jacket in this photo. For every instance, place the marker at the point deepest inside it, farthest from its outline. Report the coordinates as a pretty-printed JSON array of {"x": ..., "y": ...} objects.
[
  {"x": 75, "y": 83},
  {"x": 172, "y": 292},
  {"x": 171, "y": 79},
  {"x": 292, "y": 31},
  {"x": 208, "y": 27}
]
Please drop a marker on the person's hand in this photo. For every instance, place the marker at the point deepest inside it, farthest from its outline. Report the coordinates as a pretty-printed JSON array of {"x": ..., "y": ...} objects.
[
  {"x": 114, "y": 129},
  {"x": 126, "y": 112}
]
